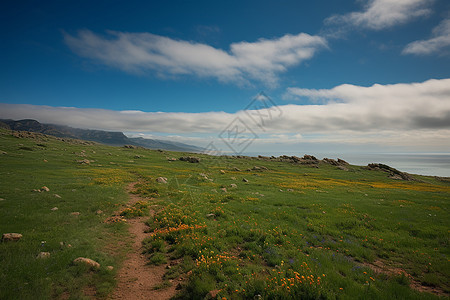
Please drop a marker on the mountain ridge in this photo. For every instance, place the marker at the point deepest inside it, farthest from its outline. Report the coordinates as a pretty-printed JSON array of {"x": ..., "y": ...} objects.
[{"x": 112, "y": 138}]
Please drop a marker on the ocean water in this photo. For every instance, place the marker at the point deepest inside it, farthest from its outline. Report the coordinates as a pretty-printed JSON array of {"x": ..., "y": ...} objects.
[{"x": 432, "y": 164}]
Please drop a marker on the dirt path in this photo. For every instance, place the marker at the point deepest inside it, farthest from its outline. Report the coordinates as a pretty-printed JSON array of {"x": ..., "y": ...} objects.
[{"x": 136, "y": 279}]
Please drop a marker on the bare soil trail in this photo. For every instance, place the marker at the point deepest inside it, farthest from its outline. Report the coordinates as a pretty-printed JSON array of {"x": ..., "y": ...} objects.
[{"x": 136, "y": 279}]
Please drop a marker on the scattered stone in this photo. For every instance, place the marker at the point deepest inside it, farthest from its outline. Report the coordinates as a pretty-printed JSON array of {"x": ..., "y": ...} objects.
[
  {"x": 9, "y": 237},
  {"x": 87, "y": 261},
  {"x": 45, "y": 189},
  {"x": 212, "y": 294},
  {"x": 45, "y": 160},
  {"x": 99, "y": 212},
  {"x": 244, "y": 179},
  {"x": 137, "y": 156},
  {"x": 289, "y": 190},
  {"x": 224, "y": 190},
  {"x": 2, "y": 199},
  {"x": 130, "y": 147},
  {"x": 57, "y": 196},
  {"x": 256, "y": 168},
  {"x": 342, "y": 168},
  {"x": 222, "y": 172},
  {"x": 233, "y": 178},
  {"x": 3, "y": 152},
  {"x": 210, "y": 215},
  {"x": 190, "y": 159},
  {"x": 54, "y": 209},
  {"x": 75, "y": 213},
  {"x": 42, "y": 255},
  {"x": 109, "y": 268},
  {"x": 172, "y": 159},
  {"x": 236, "y": 169},
  {"x": 233, "y": 185},
  {"x": 161, "y": 180}
]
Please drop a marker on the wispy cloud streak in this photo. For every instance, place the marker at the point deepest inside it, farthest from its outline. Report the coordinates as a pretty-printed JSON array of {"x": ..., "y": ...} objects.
[{"x": 262, "y": 60}]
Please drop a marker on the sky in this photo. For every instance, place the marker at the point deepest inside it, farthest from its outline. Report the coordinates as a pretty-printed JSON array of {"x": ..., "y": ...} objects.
[{"x": 235, "y": 76}]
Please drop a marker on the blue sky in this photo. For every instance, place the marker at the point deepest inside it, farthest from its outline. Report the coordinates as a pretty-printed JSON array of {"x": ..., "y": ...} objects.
[{"x": 366, "y": 74}]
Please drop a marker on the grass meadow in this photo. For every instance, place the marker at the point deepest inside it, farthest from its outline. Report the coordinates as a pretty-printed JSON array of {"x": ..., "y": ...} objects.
[{"x": 289, "y": 232}]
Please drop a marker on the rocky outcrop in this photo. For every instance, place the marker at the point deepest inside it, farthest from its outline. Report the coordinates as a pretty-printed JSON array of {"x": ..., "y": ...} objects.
[{"x": 393, "y": 173}]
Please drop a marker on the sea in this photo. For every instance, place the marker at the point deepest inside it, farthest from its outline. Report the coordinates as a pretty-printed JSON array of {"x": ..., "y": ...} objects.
[{"x": 431, "y": 164}]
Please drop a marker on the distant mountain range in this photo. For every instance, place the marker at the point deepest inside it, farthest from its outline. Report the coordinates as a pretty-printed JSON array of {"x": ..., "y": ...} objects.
[{"x": 100, "y": 136}]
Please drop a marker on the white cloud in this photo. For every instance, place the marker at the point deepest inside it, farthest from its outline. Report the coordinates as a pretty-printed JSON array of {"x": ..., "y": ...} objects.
[
  {"x": 382, "y": 14},
  {"x": 439, "y": 43},
  {"x": 142, "y": 52},
  {"x": 413, "y": 115},
  {"x": 379, "y": 107}
]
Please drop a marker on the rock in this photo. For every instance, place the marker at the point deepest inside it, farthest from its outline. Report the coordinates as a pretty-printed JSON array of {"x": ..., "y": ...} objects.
[
  {"x": 168, "y": 267},
  {"x": 342, "y": 168},
  {"x": 54, "y": 209},
  {"x": 210, "y": 215},
  {"x": 289, "y": 190},
  {"x": 75, "y": 213},
  {"x": 224, "y": 190},
  {"x": 43, "y": 255},
  {"x": 2, "y": 199},
  {"x": 212, "y": 294},
  {"x": 44, "y": 189},
  {"x": 57, "y": 196},
  {"x": 87, "y": 261},
  {"x": 171, "y": 159},
  {"x": 130, "y": 147},
  {"x": 99, "y": 212},
  {"x": 109, "y": 268},
  {"x": 190, "y": 159},
  {"x": 236, "y": 169},
  {"x": 222, "y": 172},
  {"x": 233, "y": 185},
  {"x": 244, "y": 180},
  {"x": 10, "y": 237},
  {"x": 330, "y": 161},
  {"x": 233, "y": 178},
  {"x": 342, "y": 162},
  {"x": 161, "y": 180},
  {"x": 393, "y": 173},
  {"x": 45, "y": 160},
  {"x": 137, "y": 156},
  {"x": 3, "y": 152},
  {"x": 85, "y": 161},
  {"x": 256, "y": 168}
]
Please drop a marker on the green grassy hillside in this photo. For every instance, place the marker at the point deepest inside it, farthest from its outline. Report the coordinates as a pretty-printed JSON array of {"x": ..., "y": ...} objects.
[{"x": 290, "y": 231}]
